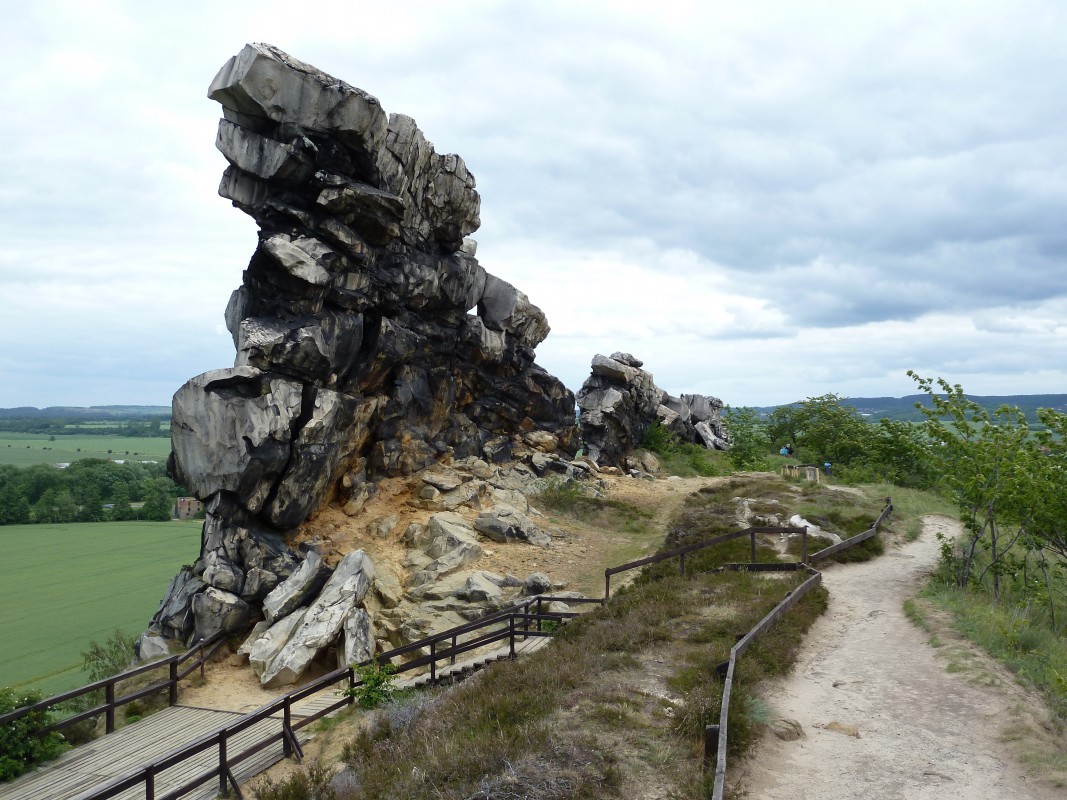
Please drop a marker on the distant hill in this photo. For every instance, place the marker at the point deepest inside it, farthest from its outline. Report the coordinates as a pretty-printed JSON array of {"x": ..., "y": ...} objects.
[
  {"x": 903, "y": 408},
  {"x": 78, "y": 412}
]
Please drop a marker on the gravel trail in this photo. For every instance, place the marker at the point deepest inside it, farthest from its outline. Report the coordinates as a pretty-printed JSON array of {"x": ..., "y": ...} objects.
[{"x": 906, "y": 728}]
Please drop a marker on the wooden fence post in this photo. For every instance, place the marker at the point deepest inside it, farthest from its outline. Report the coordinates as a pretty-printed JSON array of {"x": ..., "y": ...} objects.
[
  {"x": 711, "y": 745},
  {"x": 224, "y": 767},
  {"x": 172, "y": 690},
  {"x": 804, "y": 546},
  {"x": 109, "y": 714},
  {"x": 607, "y": 584}
]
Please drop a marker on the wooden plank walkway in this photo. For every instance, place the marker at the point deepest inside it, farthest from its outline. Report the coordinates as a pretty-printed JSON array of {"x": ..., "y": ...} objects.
[{"x": 102, "y": 759}]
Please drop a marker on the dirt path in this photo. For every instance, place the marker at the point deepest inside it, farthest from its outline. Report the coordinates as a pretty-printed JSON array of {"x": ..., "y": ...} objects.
[{"x": 922, "y": 732}]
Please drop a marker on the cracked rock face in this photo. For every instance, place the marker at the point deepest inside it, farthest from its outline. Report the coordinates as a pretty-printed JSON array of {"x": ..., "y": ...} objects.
[
  {"x": 619, "y": 401},
  {"x": 370, "y": 341}
]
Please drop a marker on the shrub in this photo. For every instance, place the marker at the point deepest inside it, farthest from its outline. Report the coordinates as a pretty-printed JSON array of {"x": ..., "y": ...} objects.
[
  {"x": 660, "y": 440},
  {"x": 110, "y": 658},
  {"x": 375, "y": 684},
  {"x": 561, "y": 494},
  {"x": 21, "y": 747}
]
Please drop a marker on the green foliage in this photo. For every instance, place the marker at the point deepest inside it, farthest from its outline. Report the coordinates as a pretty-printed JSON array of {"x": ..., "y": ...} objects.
[
  {"x": 375, "y": 684},
  {"x": 1015, "y": 633},
  {"x": 561, "y": 494},
  {"x": 750, "y": 440},
  {"x": 44, "y": 494},
  {"x": 660, "y": 439},
  {"x": 822, "y": 429},
  {"x": 102, "y": 660},
  {"x": 21, "y": 747},
  {"x": 983, "y": 459}
]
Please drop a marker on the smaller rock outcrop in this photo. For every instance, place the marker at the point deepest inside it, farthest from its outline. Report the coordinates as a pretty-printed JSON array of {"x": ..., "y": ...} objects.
[{"x": 620, "y": 401}]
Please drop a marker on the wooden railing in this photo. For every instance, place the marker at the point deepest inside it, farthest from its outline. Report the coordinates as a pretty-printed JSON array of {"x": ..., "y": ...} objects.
[
  {"x": 715, "y": 736},
  {"x": 195, "y": 655},
  {"x": 681, "y": 552},
  {"x": 525, "y": 619},
  {"x": 522, "y": 620}
]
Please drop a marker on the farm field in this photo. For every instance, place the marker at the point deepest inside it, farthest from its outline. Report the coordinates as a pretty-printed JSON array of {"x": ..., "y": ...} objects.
[
  {"x": 63, "y": 586},
  {"x": 26, "y": 449}
]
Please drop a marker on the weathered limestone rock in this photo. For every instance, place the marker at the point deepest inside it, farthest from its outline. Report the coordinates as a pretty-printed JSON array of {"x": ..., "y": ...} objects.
[
  {"x": 356, "y": 644},
  {"x": 322, "y": 621},
  {"x": 267, "y": 640},
  {"x": 297, "y": 589},
  {"x": 537, "y": 583},
  {"x": 370, "y": 343},
  {"x": 215, "y": 610},
  {"x": 174, "y": 619},
  {"x": 506, "y": 524},
  {"x": 619, "y": 401},
  {"x": 151, "y": 646},
  {"x": 239, "y": 404}
]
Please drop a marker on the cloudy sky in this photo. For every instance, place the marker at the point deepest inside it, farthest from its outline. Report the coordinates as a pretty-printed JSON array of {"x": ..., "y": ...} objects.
[{"x": 764, "y": 201}]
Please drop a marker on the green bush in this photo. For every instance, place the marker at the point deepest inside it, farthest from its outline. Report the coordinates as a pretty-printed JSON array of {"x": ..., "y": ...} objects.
[
  {"x": 561, "y": 494},
  {"x": 110, "y": 658},
  {"x": 21, "y": 747},
  {"x": 660, "y": 440},
  {"x": 375, "y": 684}
]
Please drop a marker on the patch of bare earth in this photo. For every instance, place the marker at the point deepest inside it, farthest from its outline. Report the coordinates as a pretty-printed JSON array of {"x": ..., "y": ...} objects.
[{"x": 881, "y": 715}]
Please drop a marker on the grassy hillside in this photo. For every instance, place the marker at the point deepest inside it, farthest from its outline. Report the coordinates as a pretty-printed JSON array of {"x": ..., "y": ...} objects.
[{"x": 62, "y": 586}]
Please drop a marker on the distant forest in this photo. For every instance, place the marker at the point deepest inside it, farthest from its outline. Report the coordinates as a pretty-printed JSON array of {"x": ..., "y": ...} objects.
[{"x": 93, "y": 421}]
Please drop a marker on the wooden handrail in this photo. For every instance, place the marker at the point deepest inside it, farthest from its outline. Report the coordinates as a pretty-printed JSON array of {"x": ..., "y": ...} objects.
[
  {"x": 519, "y": 611},
  {"x": 108, "y": 684}
]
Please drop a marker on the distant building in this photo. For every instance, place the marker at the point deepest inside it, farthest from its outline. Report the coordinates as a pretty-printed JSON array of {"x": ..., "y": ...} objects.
[{"x": 187, "y": 507}]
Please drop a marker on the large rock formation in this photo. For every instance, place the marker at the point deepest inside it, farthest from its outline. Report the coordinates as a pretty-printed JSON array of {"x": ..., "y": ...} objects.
[
  {"x": 370, "y": 341},
  {"x": 619, "y": 401}
]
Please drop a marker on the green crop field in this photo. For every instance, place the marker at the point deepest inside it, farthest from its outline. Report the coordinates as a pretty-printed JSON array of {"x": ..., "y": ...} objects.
[
  {"x": 63, "y": 586},
  {"x": 25, "y": 449}
]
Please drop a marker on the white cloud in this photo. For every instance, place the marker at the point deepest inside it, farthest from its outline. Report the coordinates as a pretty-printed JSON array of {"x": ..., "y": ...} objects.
[{"x": 763, "y": 201}]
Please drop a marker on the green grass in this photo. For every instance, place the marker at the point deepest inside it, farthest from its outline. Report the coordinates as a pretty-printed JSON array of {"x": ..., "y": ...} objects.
[
  {"x": 1016, "y": 635},
  {"x": 26, "y": 449},
  {"x": 62, "y": 586}
]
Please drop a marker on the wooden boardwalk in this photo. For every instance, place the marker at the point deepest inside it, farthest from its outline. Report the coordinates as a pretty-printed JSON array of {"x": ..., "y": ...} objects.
[
  {"x": 102, "y": 759},
  {"x": 108, "y": 757}
]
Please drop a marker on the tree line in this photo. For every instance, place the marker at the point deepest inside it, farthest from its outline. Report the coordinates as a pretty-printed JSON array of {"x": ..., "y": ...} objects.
[
  {"x": 89, "y": 490},
  {"x": 1006, "y": 476},
  {"x": 151, "y": 427}
]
